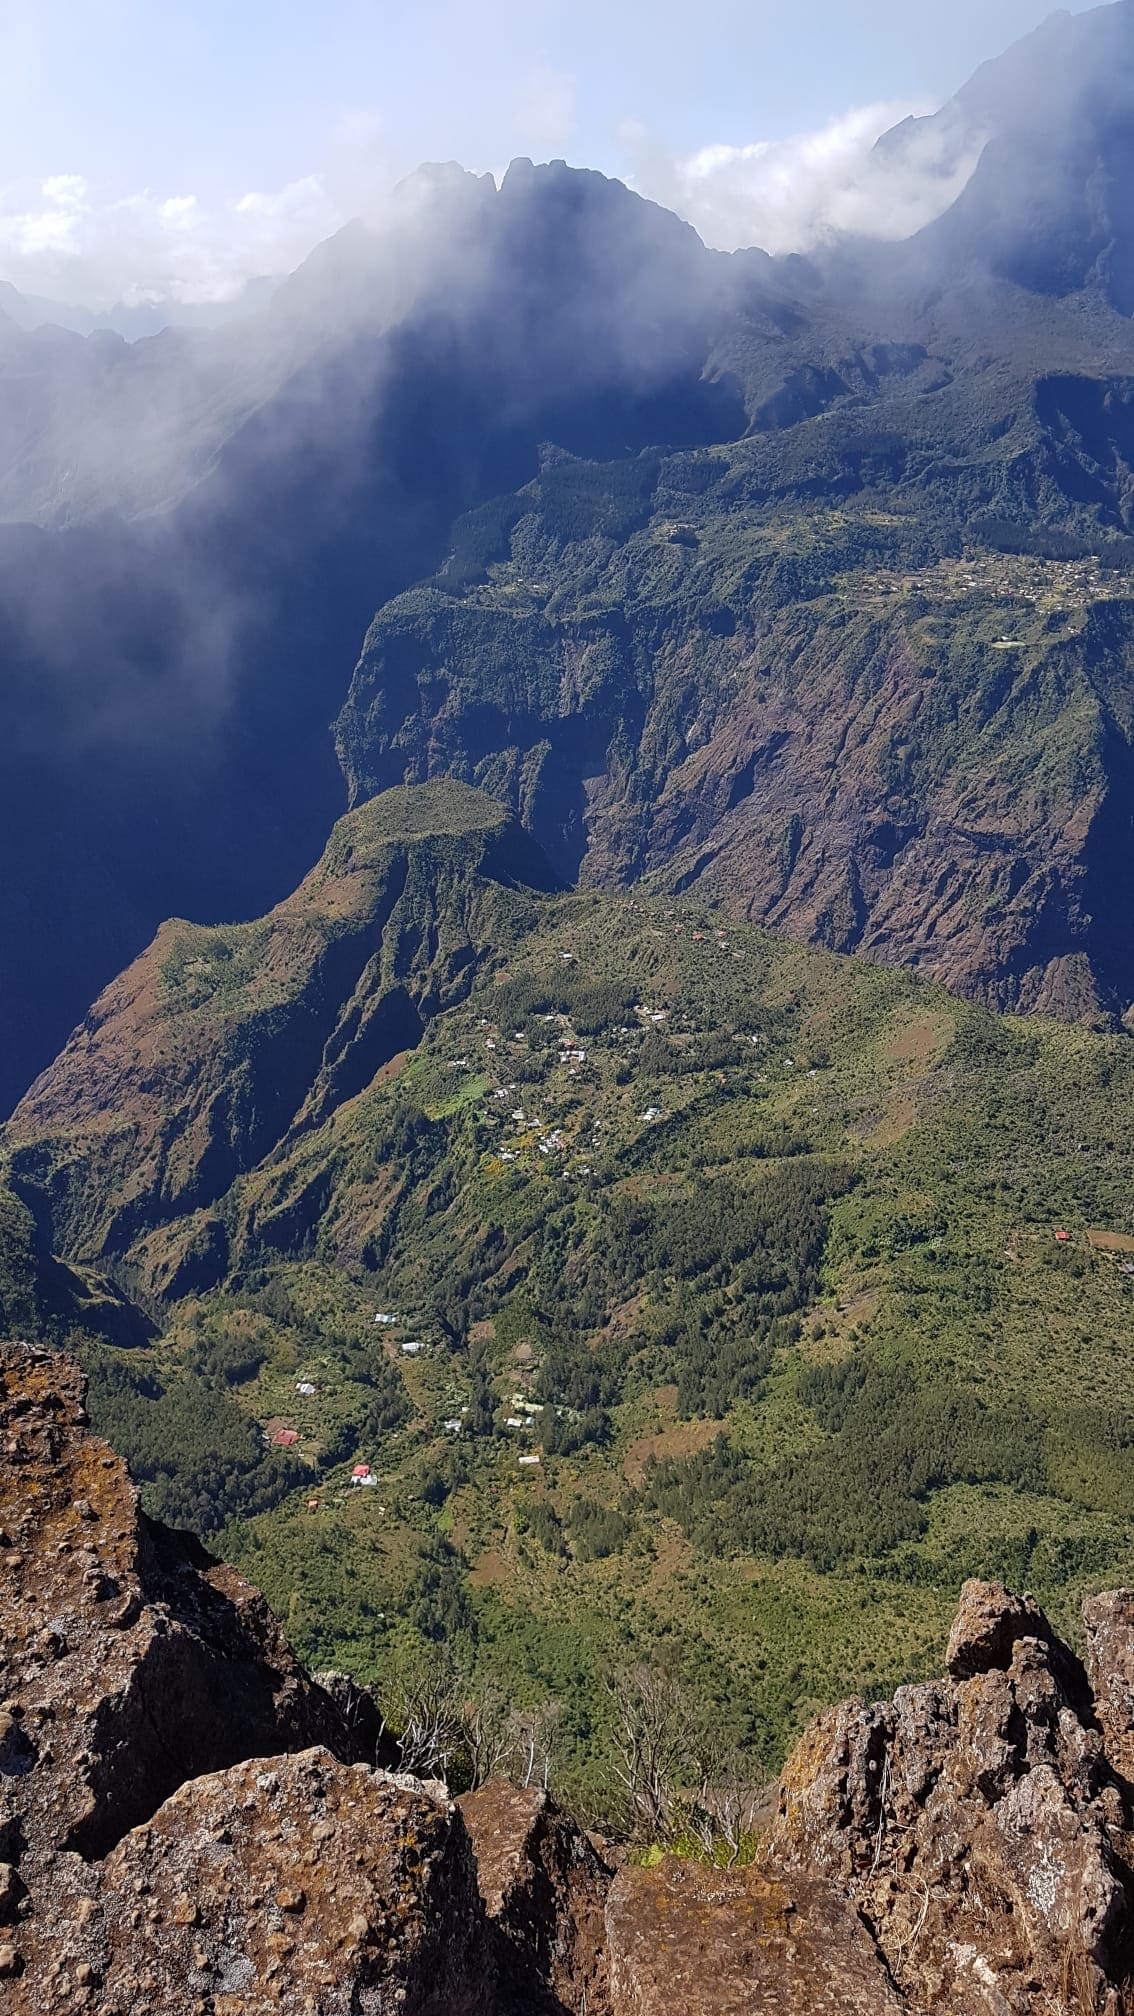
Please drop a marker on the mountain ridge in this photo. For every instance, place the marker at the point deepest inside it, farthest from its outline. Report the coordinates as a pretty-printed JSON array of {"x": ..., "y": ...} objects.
[
  {"x": 227, "y": 1044},
  {"x": 323, "y": 462}
]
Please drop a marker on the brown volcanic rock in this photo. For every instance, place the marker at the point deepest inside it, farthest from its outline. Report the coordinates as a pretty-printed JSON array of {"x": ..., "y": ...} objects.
[
  {"x": 130, "y": 1660},
  {"x": 544, "y": 1887},
  {"x": 290, "y": 1884},
  {"x": 974, "y": 1824},
  {"x": 1109, "y": 1624},
  {"x": 988, "y": 1622},
  {"x": 716, "y": 1942},
  {"x": 147, "y": 1865}
]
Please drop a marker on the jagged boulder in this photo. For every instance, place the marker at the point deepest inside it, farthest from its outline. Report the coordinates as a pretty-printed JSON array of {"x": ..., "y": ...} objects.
[
  {"x": 1108, "y": 1623},
  {"x": 289, "y": 1884},
  {"x": 975, "y": 1824},
  {"x": 544, "y": 1886},
  {"x": 989, "y": 1620},
  {"x": 130, "y": 1660}
]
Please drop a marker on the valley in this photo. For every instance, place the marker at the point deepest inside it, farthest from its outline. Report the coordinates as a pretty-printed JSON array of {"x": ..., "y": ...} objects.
[
  {"x": 566, "y": 973},
  {"x": 776, "y": 1263}
]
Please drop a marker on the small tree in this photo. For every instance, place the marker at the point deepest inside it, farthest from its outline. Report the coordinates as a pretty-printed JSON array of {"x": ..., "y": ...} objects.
[
  {"x": 534, "y": 1733},
  {"x": 651, "y": 1744},
  {"x": 723, "y": 1816},
  {"x": 488, "y": 1731},
  {"x": 425, "y": 1707}
]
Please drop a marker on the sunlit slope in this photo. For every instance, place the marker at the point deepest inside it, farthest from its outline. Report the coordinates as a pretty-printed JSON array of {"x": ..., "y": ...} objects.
[
  {"x": 800, "y": 677},
  {"x": 804, "y": 1282}
]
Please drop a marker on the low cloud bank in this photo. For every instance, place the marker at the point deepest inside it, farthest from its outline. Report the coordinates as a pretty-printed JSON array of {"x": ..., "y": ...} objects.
[
  {"x": 63, "y": 239},
  {"x": 67, "y": 240},
  {"x": 793, "y": 194}
]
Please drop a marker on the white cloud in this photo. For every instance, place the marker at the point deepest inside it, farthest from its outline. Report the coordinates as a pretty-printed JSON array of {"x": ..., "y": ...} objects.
[
  {"x": 69, "y": 240},
  {"x": 792, "y": 194},
  {"x": 64, "y": 240}
]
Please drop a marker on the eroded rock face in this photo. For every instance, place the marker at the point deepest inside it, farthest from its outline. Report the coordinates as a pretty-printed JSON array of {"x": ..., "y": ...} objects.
[
  {"x": 130, "y": 1660},
  {"x": 544, "y": 1886},
  {"x": 1108, "y": 1623},
  {"x": 292, "y": 1884},
  {"x": 715, "y": 1942},
  {"x": 190, "y": 1826},
  {"x": 975, "y": 1824}
]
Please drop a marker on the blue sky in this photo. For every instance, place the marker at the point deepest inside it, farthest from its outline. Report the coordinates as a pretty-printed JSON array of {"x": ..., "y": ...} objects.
[{"x": 123, "y": 108}]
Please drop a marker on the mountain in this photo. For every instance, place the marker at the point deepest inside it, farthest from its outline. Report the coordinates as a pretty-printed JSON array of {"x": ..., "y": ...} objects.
[
  {"x": 165, "y": 741},
  {"x": 800, "y": 1286},
  {"x": 221, "y": 1048},
  {"x": 873, "y": 501},
  {"x": 1046, "y": 207},
  {"x": 826, "y": 714}
]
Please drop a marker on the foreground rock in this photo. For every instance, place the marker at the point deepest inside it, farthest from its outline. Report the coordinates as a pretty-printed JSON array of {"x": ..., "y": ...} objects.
[
  {"x": 130, "y": 1660},
  {"x": 716, "y": 1942},
  {"x": 188, "y": 1828},
  {"x": 162, "y": 1846},
  {"x": 293, "y": 1883},
  {"x": 975, "y": 1824},
  {"x": 544, "y": 1886}
]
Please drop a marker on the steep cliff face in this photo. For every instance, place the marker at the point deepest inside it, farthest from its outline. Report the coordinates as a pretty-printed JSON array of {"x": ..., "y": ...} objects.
[
  {"x": 220, "y": 1045},
  {"x": 813, "y": 718}
]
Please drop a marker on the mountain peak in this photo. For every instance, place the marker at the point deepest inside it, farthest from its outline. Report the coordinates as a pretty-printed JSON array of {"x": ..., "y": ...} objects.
[{"x": 1050, "y": 126}]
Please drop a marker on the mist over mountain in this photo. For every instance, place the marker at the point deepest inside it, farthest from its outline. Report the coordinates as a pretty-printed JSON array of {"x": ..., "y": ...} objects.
[
  {"x": 131, "y": 320},
  {"x": 566, "y": 1013},
  {"x": 199, "y": 527}
]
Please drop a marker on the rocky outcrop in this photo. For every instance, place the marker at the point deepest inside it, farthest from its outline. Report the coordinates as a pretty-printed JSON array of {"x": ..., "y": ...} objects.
[
  {"x": 130, "y": 1660},
  {"x": 544, "y": 1886},
  {"x": 1109, "y": 1628},
  {"x": 975, "y": 1824},
  {"x": 293, "y": 1883},
  {"x": 735, "y": 1942},
  {"x": 190, "y": 1824}
]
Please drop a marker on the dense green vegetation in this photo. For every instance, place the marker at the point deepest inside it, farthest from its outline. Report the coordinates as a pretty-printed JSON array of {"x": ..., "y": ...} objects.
[
  {"x": 548, "y": 1283},
  {"x": 747, "y": 1251}
]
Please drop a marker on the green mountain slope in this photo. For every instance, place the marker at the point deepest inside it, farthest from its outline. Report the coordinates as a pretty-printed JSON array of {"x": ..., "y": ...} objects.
[
  {"x": 219, "y": 1045},
  {"x": 757, "y": 1249}
]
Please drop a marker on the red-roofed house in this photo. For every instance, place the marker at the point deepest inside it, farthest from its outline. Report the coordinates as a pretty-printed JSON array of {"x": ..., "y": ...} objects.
[
  {"x": 285, "y": 1438},
  {"x": 361, "y": 1470}
]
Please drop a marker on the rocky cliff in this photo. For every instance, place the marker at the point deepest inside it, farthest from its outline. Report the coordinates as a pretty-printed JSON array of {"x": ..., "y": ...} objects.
[
  {"x": 186, "y": 1824},
  {"x": 220, "y": 1045},
  {"x": 684, "y": 674}
]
